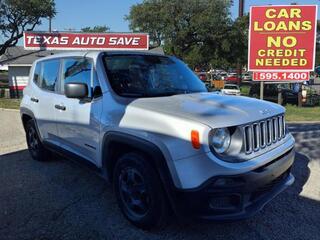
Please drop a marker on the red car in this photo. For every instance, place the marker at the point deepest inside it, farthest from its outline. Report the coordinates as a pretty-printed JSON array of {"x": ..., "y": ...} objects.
[
  {"x": 232, "y": 78},
  {"x": 202, "y": 76}
]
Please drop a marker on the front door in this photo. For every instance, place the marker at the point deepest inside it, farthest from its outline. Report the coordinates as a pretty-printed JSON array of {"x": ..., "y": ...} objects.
[{"x": 78, "y": 120}]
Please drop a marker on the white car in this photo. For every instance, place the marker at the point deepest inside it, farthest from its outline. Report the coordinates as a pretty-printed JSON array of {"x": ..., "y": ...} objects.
[
  {"x": 231, "y": 89},
  {"x": 147, "y": 124}
]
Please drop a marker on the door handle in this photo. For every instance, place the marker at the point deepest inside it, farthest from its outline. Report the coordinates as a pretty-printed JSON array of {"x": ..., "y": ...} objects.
[
  {"x": 33, "y": 99},
  {"x": 60, "y": 107}
]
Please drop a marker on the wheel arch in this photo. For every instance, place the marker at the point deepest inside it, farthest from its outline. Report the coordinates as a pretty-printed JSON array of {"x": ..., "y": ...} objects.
[
  {"x": 117, "y": 143},
  {"x": 133, "y": 143},
  {"x": 27, "y": 115}
]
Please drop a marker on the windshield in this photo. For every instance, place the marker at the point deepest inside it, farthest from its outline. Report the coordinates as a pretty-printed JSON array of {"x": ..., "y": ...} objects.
[
  {"x": 230, "y": 87},
  {"x": 150, "y": 76}
]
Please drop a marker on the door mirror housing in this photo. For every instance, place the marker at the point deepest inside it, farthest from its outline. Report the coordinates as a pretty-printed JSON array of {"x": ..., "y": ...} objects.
[{"x": 76, "y": 90}]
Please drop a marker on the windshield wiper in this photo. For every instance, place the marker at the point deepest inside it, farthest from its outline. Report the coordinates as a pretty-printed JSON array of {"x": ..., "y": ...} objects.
[{"x": 132, "y": 94}]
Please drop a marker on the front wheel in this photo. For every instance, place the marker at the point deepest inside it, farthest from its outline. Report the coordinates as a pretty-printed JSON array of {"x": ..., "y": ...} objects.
[{"x": 139, "y": 191}]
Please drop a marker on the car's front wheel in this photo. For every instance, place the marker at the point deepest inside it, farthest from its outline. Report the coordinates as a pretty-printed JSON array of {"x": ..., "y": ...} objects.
[
  {"x": 36, "y": 149},
  {"x": 139, "y": 191}
]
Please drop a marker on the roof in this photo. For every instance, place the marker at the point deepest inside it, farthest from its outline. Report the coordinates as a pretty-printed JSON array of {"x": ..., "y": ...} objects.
[{"x": 19, "y": 56}]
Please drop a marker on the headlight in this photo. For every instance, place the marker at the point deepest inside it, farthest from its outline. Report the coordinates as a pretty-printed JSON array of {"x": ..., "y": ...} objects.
[{"x": 220, "y": 140}]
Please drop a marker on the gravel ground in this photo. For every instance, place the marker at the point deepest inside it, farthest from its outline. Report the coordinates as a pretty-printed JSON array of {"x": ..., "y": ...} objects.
[{"x": 62, "y": 200}]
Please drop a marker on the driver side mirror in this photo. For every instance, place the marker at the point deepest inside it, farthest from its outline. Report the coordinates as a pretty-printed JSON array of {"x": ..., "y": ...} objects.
[{"x": 76, "y": 90}]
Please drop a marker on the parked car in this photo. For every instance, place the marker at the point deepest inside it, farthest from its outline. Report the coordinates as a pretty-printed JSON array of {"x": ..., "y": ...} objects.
[
  {"x": 231, "y": 89},
  {"x": 222, "y": 76},
  {"x": 232, "y": 78},
  {"x": 202, "y": 76},
  {"x": 147, "y": 124},
  {"x": 270, "y": 93},
  {"x": 247, "y": 77}
]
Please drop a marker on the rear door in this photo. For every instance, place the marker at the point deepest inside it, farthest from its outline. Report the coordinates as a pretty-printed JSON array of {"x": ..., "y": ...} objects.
[
  {"x": 78, "y": 120},
  {"x": 45, "y": 79}
]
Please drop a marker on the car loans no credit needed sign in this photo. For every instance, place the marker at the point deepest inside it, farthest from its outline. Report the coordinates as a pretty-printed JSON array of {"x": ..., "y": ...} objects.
[{"x": 282, "y": 42}]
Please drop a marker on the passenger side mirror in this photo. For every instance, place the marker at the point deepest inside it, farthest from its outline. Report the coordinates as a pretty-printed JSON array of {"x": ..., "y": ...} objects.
[{"x": 76, "y": 90}]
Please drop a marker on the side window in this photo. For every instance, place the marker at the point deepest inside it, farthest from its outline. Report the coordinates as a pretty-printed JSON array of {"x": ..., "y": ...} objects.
[
  {"x": 36, "y": 75},
  {"x": 50, "y": 74},
  {"x": 76, "y": 70}
]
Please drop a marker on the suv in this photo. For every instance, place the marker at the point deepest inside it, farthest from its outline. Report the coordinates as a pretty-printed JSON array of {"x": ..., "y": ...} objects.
[
  {"x": 147, "y": 124},
  {"x": 271, "y": 93}
]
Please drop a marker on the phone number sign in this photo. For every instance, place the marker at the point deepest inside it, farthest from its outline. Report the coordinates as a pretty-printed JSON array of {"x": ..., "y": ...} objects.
[
  {"x": 85, "y": 41},
  {"x": 282, "y": 39},
  {"x": 281, "y": 76}
]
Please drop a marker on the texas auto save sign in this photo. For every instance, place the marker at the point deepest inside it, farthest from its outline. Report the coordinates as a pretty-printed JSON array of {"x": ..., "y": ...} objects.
[
  {"x": 282, "y": 42},
  {"x": 86, "y": 41}
]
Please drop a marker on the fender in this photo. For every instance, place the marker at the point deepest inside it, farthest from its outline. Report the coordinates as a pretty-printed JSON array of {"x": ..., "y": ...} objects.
[
  {"x": 26, "y": 111},
  {"x": 157, "y": 158}
]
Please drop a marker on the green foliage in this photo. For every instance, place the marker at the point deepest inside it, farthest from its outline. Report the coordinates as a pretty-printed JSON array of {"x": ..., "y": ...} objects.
[
  {"x": 98, "y": 29},
  {"x": 17, "y": 16},
  {"x": 201, "y": 32}
]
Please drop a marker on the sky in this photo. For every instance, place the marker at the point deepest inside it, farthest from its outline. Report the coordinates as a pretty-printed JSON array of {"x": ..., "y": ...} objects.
[{"x": 72, "y": 15}]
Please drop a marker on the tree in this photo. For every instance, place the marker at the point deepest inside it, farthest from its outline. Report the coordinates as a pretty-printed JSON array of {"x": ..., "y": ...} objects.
[
  {"x": 17, "y": 16},
  {"x": 148, "y": 17},
  {"x": 318, "y": 44},
  {"x": 98, "y": 28},
  {"x": 200, "y": 32}
]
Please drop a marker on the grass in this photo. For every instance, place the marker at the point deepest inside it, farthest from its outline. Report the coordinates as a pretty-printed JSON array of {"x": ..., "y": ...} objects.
[
  {"x": 245, "y": 89},
  {"x": 293, "y": 113},
  {"x": 9, "y": 103},
  {"x": 304, "y": 114}
]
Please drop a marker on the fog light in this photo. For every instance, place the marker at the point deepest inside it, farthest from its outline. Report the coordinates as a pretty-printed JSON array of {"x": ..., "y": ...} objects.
[{"x": 226, "y": 202}]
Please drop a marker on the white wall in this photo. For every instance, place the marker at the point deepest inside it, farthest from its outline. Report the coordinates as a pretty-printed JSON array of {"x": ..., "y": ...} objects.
[{"x": 18, "y": 75}]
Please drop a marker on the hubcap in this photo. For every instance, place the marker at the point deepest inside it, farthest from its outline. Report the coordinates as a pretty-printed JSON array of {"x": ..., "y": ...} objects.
[{"x": 133, "y": 192}]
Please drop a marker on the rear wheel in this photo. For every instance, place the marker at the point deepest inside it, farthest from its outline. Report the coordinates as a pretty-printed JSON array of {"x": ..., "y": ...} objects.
[
  {"x": 36, "y": 149},
  {"x": 139, "y": 192}
]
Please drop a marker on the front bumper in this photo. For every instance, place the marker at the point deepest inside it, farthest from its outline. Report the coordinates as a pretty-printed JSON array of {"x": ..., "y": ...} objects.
[{"x": 236, "y": 197}]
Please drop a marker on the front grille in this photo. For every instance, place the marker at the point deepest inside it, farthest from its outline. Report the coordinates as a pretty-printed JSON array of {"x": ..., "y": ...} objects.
[{"x": 264, "y": 133}]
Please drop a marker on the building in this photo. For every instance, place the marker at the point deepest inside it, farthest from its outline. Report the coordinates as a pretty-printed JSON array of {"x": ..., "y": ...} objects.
[{"x": 18, "y": 61}]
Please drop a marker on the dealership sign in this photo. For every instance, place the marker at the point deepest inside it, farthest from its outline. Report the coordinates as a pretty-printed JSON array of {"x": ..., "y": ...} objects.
[
  {"x": 86, "y": 41},
  {"x": 282, "y": 41}
]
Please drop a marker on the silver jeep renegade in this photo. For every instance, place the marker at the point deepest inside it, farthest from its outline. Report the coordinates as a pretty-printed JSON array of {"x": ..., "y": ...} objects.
[{"x": 147, "y": 124}]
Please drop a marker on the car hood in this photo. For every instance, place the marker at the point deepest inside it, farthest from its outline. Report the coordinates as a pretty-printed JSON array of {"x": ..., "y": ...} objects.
[{"x": 211, "y": 109}]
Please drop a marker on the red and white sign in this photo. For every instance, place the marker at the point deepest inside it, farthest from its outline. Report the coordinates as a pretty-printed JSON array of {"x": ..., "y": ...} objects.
[
  {"x": 282, "y": 39},
  {"x": 281, "y": 76},
  {"x": 86, "y": 41}
]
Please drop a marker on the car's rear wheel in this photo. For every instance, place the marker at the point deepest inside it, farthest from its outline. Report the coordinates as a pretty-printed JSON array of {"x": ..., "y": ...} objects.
[
  {"x": 139, "y": 191},
  {"x": 36, "y": 149}
]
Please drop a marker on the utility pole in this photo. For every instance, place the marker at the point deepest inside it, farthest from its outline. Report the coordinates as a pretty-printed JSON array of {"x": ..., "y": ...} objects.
[
  {"x": 50, "y": 23},
  {"x": 241, "y": 10}
]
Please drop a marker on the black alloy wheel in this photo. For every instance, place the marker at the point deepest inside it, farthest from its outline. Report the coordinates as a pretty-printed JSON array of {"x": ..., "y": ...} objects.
[{"x": 139, "y": 191}]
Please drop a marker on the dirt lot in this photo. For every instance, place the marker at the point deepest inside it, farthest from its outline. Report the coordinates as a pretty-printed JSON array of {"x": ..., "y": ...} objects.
[{"x": 62, "y": 200}]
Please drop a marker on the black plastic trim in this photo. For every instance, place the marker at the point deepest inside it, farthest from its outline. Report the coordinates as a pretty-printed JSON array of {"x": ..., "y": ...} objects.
[{"x": 255, "y": 189}]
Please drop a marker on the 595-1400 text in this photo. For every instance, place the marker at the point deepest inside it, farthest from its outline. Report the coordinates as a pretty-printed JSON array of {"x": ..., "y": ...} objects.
[{"x": 281, "y": 76}]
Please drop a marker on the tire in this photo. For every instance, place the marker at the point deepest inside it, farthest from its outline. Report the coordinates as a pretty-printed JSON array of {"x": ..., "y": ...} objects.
[
  {"x": 36, "y": 149},
  {"x": 139, "y": 192}
]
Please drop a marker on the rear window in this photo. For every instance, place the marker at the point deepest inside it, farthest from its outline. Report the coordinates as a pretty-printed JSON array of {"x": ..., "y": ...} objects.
[
  {"x": 46, "y": 74},
  {"x": 37, "y": 73},
  {"x": 50, "y": 74}
]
